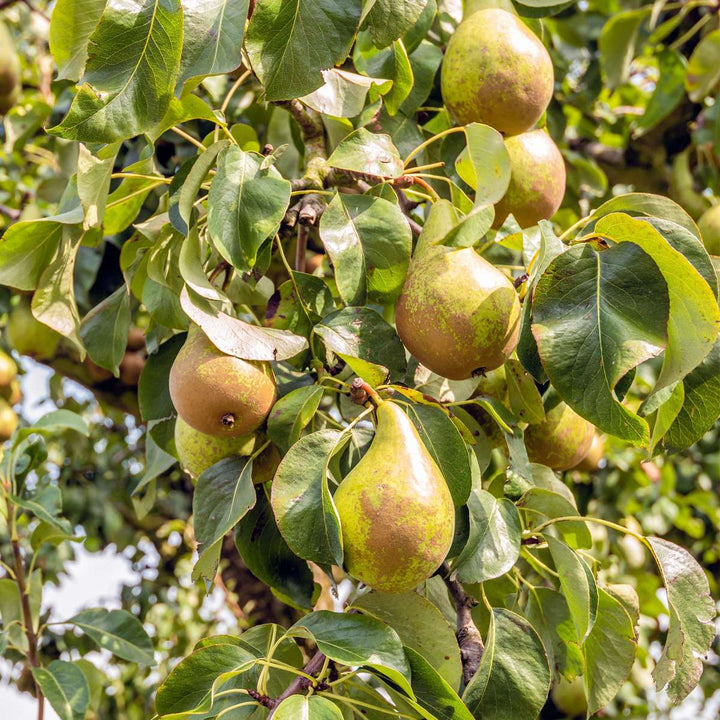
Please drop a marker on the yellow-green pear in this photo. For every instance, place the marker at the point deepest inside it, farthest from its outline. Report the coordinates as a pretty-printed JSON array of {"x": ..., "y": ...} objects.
[
  {"x": 568, "y": 696},
  {"x": 457, "y": 313},
  {"x": 709, "y": 225},
  {"x": 198, "y": 451},
  {"x": 496, "y": 71},
  {"x": 591, "y": 462},
  {"x": 219, "y": 394},
  {"x": 9, "y": 71},
  {"x": 28, "y": 335},
  {"x": 395, "y": 508},
  {"x": 561, "y": 440},
  {"x": 537, "y": 180},
  {"x": 8, "y": 420},
  {"x": 8, "y": 369}
]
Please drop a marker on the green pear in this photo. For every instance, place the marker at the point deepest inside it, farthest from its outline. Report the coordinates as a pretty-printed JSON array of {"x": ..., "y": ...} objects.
[
  {"x": 29, "y": 336},
  {"x": 8, "y": 370},
  {"x": 709, "y": 225},
  {"x": 395, "y": 507},
  {"x": 561, "y": 440},
  {"x": 457, "y": 313},
  {"x": 591, "y": 462},
  {"x": 497, "y": 72},
  {"x": 219, "y": 394},
  {"x": 8, "y": 420},
  {"x": 198, "y": 451},
  {"x": 568, "y": 696},
  {"x": 9, "y": 71},
  {"x": 537, "y": 180}
]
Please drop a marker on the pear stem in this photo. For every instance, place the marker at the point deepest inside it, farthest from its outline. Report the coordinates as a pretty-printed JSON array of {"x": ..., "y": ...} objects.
[{"x": 361, "y": 392}]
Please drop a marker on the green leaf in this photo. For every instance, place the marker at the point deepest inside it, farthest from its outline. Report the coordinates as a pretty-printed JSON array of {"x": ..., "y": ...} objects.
[
  {"x": 302, "y": 707},
  {"x": 368, "y": 153},
  {"x": 493, "y": 545},
  {"x": 389, "y": 20},
  {"x": 444, "y": 442},
  {"x": 117, "y": 631},
  {"x": 353, "y": 639},
  {"x": 551, "y": 504},
  {"x": 513, "y": 680},
  {"x": 343, "y": 93},
  {"x": 703, "y": 70},
  {"x": 189, "y": 107},
  {"x": 104, "y": 330},
  {"x": 291, "y": 414},
  {"x": 485, "y": 163},
  {"x": 93, "y": 181},
  {"x": 290, "y": 41},
  {"x": 617, "y": 44},
  {"x": 304, "y": 510},
  {"x": 65, "y": 687},
  {"x": 694, "y": 314},
  {"x": 609, "y": 652},
  {"x": 246, "y": 205},
  {"x": 420, "y": 626},
  {"x": 60, "y": 420},
  {"x": 669, "y": 91},
  {"x": 692, "y": 614},
  {"x": 212, "y": 37},
  {"x": 223, "y": 495},
  {"x": 361, "y": 333},
  {"x": 11, "y": 612},
  {"x": 45, "y": 503},
  {"x": 153, "y": 388},
  {"x": 269, "y": 558},
  {"x": 667, "y": 412},
  {"x": 130, "y": 74},
  {"x": 369, "y": 243},
  {"x": 596, "y": 316},
  {"x": 124, "y": 203},
  {"x": 578, "y": 586},
  {"x": 525, "y": 399},
  {"x": 71, "y": 25},
  {"x": 399, "y": 70}
]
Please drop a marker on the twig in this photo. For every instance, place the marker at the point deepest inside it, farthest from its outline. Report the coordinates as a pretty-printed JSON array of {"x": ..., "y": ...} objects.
[
  {"x": 469, "y": 639},
  {"x": 300, "y": 683},
  {"x": 301, "y": 247}
]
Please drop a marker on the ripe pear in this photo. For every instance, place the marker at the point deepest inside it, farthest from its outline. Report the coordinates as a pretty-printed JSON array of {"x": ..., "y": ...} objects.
[
  {"x": 395, "y": 508},
  {"x": 11, "y": 392},
  {"x": 8, "y": 420},
  {"x": 198, "y": 451},
  {"x": 591, "y": 462},
  {"x": 29, "y": 336},
  {"x": 9, "y": 71},
  {"x": 457, "y": 313},
  {"x": 497, "y": 72},
  {"x": 709, "y": 225},
  {"x": 537, "y": 180},
  {"x": 8, "y": 369},
  {"x": 568, "y": 696},
  {"x": 561, "y": 440},
  {"x": 219, "y": 394}
]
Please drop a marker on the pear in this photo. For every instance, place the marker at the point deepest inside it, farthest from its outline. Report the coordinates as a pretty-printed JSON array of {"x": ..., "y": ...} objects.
[
  {"x": 219, "y": 394},
  {"x": 496, "y": 72},
  {"x": 537, "y": 180},
  {"x": 8, "y": 369},
  {"x": 8, "y": 420},
  {"x": 29, "y": 336},
  {"x": 457, "y": 313},
  {"x": 11, "y": 392},
  {"x": 568, "y": 696},
  {"x": 591, "y": 462},
  {"x": 395, "y": 508},
  {"x": 9, "y": 71},
  {"x": 709, "y": 225},
  {"x": 198, "y": 451},
  {"x": 561, "y": 440}
]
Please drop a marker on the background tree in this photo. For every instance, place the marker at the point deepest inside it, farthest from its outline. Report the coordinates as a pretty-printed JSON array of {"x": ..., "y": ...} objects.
[{"x": 311, "y": 189}]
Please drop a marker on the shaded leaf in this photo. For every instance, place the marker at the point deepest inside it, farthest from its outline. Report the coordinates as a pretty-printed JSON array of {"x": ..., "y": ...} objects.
[{"x": 65, "y": 687}]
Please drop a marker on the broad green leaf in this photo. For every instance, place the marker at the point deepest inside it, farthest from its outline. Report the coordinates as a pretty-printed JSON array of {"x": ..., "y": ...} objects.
[
  {"x": 190, "y": 265},
  {"x": 104, "y": 330},
  {"x": 493, "y": 545},
  {"x": 578, "y": 586},
  {"x": 304, "y": 510},
  {"x": 117, "y": 631},
  {"x": 367, "y": 153},
  {"x": 60, "y": 420},
  {"x": 302, "y": 707},
  {"x": 694, "y": 314},
  {"x": 609, "y": 652},
  {"x": 369, "y": 243},
  {"x": 692, "y": 614},
  {"x": 134, "y": 57},
  {"x": 223, "y": 495},
  {"x": 290, "y": 41},
  {"x": 550, "y": 504},
  {"x": 354, "y": 639},
  {"x": 93, "y": 181},
  {"x": 389, "y": 20},
  {"x": 71, "y": 24},
  {"x": 291, "y": 414},
  {"x": 45, "y": 503},
  {"x": 269, "y": 558},
  {"x": 246, "y": 204},
  {"x": 157, "y": 460},
  {"x": 669, "y": 91},
  {"x": 703, "y": 70},
  {"x": 596, "y": 316},
  {"x": 153, "y": 388},
  {"x": 617, "y": 44},
  {"x": 11, "y": 612},
  {"x": 513, "y": 679},
  {"x": 299, "y": 304},
  {"x": 65, "y": 687},
  {"x": 444, "y": 442},
  {"x": 182, "y": 110},
  {"x": 124, "y": 203},
  {"x": 667, "y": 413},
  {"x": 343, "y": 93},
  {"x": 420, "y": 626},
  {"x": 212, "y": 37},
  {"x": 525, "y": 400},
  {"x": 398, "y": 69},
  {"x": 484, "y": 164},
  {"x": 424, "y": 62},
  {"x": 360, "y": 333},
  {"x": 47, "y": 533}
]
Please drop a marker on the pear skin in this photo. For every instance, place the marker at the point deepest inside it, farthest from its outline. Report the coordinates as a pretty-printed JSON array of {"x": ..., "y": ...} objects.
[
  {"x": 395, "y": 508},
  {"x": 8, "y": 370},
  {"x": 497, "y": 72},
  {"x": 198, "y": 451},
  {"x": 8, "y": 420},
  {"x": 537, "y": 180},
  {"x": 219, "y": 394},
  {"x": 28, "y": 335},
  {"x": 9, "y": 71},
  {"x": 457, "y": 313},
  {"x": 561, "y": 440},
  {"x": 709, "y": 225}
]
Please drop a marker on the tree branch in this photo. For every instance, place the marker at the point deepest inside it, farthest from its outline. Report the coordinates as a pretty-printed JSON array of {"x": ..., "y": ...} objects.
[
  {"x": 469, "y": 639},
  {"x": 300, "y": 683}
]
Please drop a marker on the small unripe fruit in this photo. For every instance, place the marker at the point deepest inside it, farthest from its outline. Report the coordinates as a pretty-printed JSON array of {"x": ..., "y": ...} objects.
[
  {"x": 569, "y": 697},
  {"x": 8, "y": 369},
  {"x": 130, "y": 368},
  {"x": 709, "y": 225},
  {"x": 8, "y": 420},
  {"x": 29, "y": 336}
]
